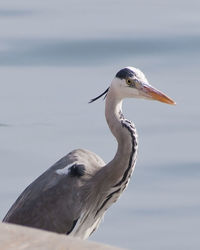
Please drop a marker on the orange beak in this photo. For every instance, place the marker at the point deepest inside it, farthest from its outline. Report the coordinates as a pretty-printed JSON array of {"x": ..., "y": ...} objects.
[{"x": 155, "y": 94}]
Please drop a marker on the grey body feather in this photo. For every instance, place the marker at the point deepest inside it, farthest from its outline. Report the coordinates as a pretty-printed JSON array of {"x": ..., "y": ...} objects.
[{"x": 60, "y": 194}]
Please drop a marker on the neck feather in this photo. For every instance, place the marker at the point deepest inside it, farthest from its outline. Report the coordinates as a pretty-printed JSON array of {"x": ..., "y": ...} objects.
[{"x": 121, "y": 167}]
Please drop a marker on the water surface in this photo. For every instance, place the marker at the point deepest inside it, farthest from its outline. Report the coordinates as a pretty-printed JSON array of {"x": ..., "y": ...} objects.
[{"x": 55, "y": 57}]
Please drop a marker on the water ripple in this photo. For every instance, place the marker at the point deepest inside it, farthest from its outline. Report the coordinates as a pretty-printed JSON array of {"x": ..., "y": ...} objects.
[
  {"x": 14, "y": 13},
  {"x": 55, "y": 52}
]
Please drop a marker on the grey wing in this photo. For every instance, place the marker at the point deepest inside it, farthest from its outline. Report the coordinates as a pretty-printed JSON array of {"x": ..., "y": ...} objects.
[{"x": 54, "y": 200}]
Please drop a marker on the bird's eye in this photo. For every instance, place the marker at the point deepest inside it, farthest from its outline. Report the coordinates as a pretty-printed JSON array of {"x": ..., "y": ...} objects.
[{"x": 129, "y": 82}]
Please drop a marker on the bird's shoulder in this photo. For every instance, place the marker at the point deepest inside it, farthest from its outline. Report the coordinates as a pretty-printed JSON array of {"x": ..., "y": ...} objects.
[
  {"x": 73, "y": 169},
  {"x": 79, "y": 156},
  {"x": 60, "y": 184}
]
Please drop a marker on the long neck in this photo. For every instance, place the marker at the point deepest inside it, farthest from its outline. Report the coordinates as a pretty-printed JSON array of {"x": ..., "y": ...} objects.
[{"x": 121, "y": 167}]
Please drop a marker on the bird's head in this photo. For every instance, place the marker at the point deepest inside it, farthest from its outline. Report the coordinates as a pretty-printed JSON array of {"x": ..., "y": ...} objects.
[{"x": 130, "y": 82}]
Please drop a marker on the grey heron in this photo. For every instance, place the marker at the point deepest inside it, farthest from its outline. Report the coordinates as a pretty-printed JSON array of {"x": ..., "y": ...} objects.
[{"x": 72, "y": 196}]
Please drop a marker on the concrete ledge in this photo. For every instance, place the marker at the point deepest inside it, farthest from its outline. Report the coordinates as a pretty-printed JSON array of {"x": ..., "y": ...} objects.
[{"x": 14, "y": 237}]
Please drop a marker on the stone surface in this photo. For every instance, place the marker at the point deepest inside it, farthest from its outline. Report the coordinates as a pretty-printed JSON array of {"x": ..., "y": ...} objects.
[{"x": 14, "y": 237}]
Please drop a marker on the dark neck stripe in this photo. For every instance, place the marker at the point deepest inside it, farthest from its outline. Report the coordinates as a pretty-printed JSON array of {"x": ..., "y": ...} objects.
[
  {"x": 104, "y": 203},
  {"x": 128, "y": 125},
  {"x": 73, "y": 226},
  {"x": 107, "y": 199},
  {"x": 134, "y": 144}
]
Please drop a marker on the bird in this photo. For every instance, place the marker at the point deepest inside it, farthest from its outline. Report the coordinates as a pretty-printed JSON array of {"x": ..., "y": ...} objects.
[{"x": 72, "y": 196}]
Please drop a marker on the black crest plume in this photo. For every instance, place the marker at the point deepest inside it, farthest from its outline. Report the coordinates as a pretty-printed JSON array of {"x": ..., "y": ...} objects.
[{"x": 104, "y": 93}]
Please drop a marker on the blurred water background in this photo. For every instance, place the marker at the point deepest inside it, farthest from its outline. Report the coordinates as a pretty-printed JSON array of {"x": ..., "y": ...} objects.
[{"x": 55, "y": 56}]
